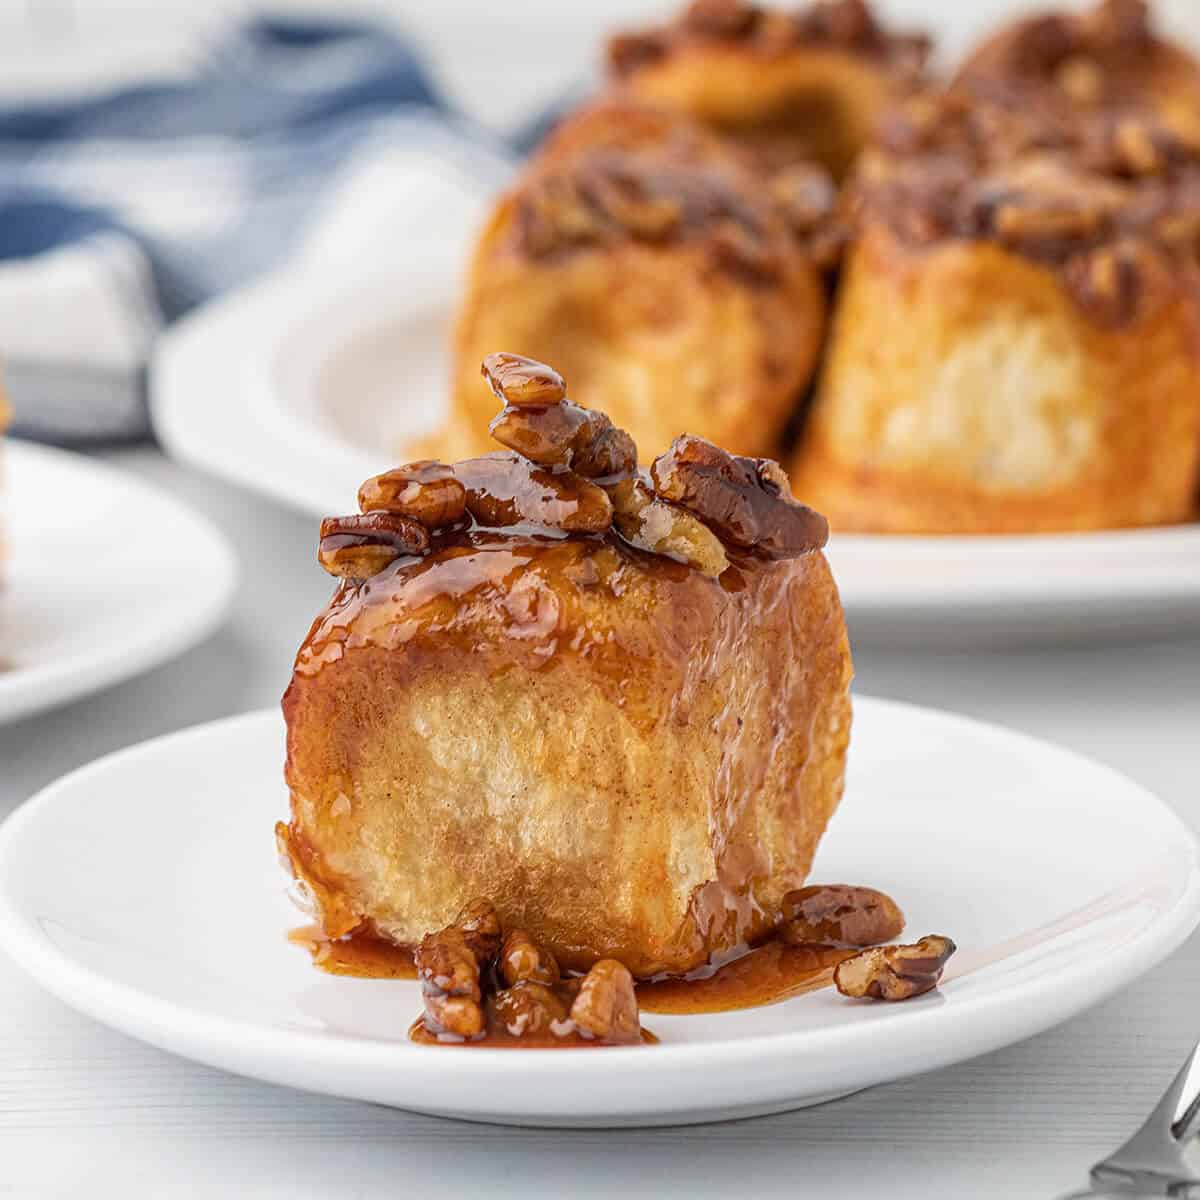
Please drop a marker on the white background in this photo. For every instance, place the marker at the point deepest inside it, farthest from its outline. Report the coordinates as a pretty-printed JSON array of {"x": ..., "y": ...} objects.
[{"x": 87, "y": 1112}]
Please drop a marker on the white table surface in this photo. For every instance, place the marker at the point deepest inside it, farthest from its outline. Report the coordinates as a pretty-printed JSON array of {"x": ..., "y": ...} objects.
[{"x": 87, "y": 1112}]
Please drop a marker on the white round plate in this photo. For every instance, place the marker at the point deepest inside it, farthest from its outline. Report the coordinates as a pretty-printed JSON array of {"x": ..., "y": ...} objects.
[
  {"x": 326, "y": 386},
  {"x": 105, "y": 577},
  {"x": 144, "y": 890}
]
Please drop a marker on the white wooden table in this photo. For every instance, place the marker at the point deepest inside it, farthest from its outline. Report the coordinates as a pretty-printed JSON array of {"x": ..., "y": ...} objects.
[{"x": 87, "y": 1112}]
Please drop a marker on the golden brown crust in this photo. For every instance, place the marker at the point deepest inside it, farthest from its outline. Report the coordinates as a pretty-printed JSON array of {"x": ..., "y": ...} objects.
[
  {"x": 788, "y": 86},
  {"x": 967, "y": 391},
  {"x": 634, "y": 760},
  {"x": 633, "y": 245}
]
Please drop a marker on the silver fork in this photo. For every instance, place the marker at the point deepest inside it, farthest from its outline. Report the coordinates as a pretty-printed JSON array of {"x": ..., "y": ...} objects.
[{"x": 1151, "y": 1163}]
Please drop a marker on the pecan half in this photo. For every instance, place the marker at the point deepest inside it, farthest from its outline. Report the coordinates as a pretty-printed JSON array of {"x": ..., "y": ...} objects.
[
  {"x": 505, "y": 489},
  {"x": 1107, "y": 282},
  {"x": 839, "y": 915},
  {"x": 895, "y": 972},
  {"x": 1118, "y": 25},
  {"x": 1081, "y": 80},
  {"x": 606, "y": 1007},
  {"x": 425, "y": 491},
  {"x": 663, "y": 528},
  {"x": 521, "y": 381},
  {"x": 529, "y": 1008},
  {"x": 358, "y": 547},
  {"x": 521, "y": 958},
  {"x": 568, "y": 435},
  {"x": 747, "y": 501},
  {"x": 720, "y": 18},
  {"x": 449, "y": 973}
]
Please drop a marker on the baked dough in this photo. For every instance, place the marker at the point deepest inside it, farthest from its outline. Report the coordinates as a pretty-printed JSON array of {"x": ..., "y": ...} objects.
[
  {"x": 633, "y": 758},
  {"x": 641, "y": 256},
  {"x": 1015, "y": 344},
  {"x": 788, "y": 86}
]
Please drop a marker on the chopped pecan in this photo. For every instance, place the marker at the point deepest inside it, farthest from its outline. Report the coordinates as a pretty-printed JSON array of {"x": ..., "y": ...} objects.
[
  {"x": 1107, "y": 282},
  {"x": 848, "y": 22},
  {"x": 627, "y": 52},
  {"x": 449, "y": 972},
  {"x": 1137, "y": 148},
  {"x": 632, "y": 206},
  {"x": 720, "y": 18},
  {"x": 807, "y": 199},
  {"x": 425, "y": 491},
  {"x": 664, "y": 528},
  {"x": 895, "y": 972},
  {"x": 357, "y": 547},
  {"x": 521, "y": 958},
  {"x": 566, "y": 435},
  {"x": 746, "y": 501},
  {"x": 529, "y": 1008},
  {"x": 1042, "y": 42},
  {"x": 839, "y": 915},
  {"x": 606, "y": 1007},
  {"x": 522, "y": 382},
  {"x": 505, "y": 489},
  {"x": 1040, "y": 220},
  {"x": 1118, "y": 25},
  {"x": 446, "y": 961},
  {"x": 1081, "y": 80},
  {"x": 480, "y": 927}
]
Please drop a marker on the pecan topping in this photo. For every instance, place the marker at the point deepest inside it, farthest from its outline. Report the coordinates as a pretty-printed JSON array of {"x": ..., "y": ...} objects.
[
  {"x": 895, "y": 972},
  {"x": 521, "y": 382},
  {"x": 747, "y": 501},
  {"x": 628, "y": 52},
  {"x": 606, "y": 1006},
  {"x": 529, "y": 1009},
  {"x": 505, "y": 489},
  {"x": 612, "y": 194},
  {"x": 358, "y": 547},
  {"x": 1107, "y": 282},
  {"x": 424, "y": 491},
  {"x": 1081, "y": 80},
  {"x": 1118, "y": 25},
  {"x": 523, "y": 959},
  {"x": 720, "y": 18},
  {"x": 567, "y": 435},
  {"x": 664, "y": 528},
  {"x": 478, "y": 984},
  {"x": 840, "y": 915},
  {"x": 807, "y": 198}
]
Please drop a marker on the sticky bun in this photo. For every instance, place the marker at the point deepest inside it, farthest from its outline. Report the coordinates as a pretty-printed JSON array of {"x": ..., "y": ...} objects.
[
  {"x": 615, "y": 701},
  {"x": 1082, "y": 65},
  {"x": 643, "y": 257},
  {"x": 1015, "y": 344},
  {"x": 789, "y": 86}
]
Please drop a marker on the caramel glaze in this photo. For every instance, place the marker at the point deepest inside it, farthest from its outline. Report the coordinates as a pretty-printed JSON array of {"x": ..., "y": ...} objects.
[
  {"x": 361, "y": 954},
  {"x": 765, "y": 975},
  {"x": 525, "y": 599}
]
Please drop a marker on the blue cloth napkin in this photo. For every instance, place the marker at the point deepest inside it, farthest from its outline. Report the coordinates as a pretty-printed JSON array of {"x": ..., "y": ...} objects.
[{"x": 120, "y": 212}]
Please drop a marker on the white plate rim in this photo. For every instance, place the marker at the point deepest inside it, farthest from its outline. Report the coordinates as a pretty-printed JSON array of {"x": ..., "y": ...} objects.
[
  {"x": 33, "y": 689},
  {"x": 881, "y": 1048}
]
